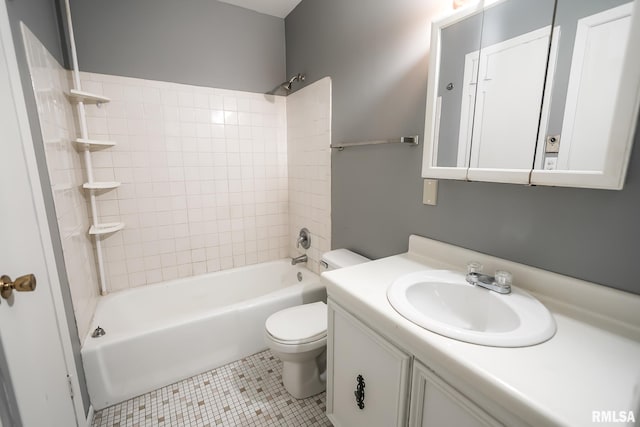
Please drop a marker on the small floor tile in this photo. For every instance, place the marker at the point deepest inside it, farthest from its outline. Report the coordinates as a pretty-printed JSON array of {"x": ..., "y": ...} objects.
[{"x": 248, "y": 392}]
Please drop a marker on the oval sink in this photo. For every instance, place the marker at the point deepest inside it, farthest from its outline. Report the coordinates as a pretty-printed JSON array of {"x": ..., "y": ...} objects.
[{"x": 443, "y": 302}]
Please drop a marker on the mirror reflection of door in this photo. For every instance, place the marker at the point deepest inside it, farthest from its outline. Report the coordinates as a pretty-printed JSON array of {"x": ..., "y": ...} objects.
[
  {"x": 582, "y": 92},
  {"x": 512, "y": 65},
  {"x": 511, "y": 75},
  {"x": 490, "y": 86}
]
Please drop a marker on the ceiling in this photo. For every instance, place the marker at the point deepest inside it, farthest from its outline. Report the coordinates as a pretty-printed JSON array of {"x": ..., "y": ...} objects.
[{"x": 279, "y": 8}]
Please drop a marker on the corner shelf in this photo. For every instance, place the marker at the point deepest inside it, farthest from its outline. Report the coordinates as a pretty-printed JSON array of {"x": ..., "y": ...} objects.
[
  {"x": 100, "y": 185},
  {"x": 87, "y": 97},
  {"x": 93, "y": 144},
  {"x": 110, "y": 227},
  {"x": 84, "y": 144}
]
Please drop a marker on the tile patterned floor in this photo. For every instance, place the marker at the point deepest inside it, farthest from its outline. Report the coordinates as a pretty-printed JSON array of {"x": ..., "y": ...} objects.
[{"x": 248, "y": 392}]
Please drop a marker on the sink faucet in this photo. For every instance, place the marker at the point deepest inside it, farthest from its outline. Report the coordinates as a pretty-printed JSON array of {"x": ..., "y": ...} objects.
[
  {"x": 299, "y": 259},
  {"x": 500, "y": 283}
]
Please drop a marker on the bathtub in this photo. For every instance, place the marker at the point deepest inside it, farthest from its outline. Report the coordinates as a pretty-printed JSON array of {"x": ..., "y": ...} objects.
[{"x": 159, "y": 334}]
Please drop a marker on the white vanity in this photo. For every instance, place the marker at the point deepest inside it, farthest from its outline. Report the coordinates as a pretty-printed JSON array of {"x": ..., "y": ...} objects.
[{"x": 385, "y": 370}]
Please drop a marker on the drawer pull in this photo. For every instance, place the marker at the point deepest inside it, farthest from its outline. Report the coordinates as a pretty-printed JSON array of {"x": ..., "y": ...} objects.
[{"x": 359, "y": 392}]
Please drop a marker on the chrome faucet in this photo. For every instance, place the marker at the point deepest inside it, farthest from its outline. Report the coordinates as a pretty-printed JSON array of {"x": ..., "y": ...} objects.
[
  {"x": 500, "y": 283},
  {"x": 299, "y": 259}
]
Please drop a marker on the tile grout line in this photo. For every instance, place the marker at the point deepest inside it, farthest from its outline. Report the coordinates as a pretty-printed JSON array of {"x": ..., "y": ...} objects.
[{"x": 245, "y": 392}]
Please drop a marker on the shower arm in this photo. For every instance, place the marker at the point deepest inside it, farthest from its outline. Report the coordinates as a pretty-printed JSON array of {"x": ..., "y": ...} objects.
[{"x": 298, "y": 77}]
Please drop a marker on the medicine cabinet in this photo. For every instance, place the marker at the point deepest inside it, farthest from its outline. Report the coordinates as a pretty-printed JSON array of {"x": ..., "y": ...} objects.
[{"x": 541, "y": 92}]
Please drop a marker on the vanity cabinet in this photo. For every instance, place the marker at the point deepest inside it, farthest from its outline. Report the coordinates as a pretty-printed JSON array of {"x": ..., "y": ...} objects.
[
  {"x": 359, "y": 360},
  {"x": 435, "y": 403},
  {"x": 359, "y": 356}
]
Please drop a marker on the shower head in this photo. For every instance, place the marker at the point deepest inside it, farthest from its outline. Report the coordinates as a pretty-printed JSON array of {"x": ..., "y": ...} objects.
[
  {"x": 287, "y": 85},
  {"x": 284, "y": 89}
]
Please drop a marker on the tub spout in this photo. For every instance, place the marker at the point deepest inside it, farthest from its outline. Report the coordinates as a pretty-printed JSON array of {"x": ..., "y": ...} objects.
[{"x": 299, "y": 259}]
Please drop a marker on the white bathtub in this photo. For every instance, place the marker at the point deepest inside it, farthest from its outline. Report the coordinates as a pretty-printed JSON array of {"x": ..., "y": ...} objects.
[{"x": 160, "y": 334}]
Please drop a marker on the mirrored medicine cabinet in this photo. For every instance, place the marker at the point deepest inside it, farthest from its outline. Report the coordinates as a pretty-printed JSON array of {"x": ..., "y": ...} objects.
[{"x": 542, "y": 92}]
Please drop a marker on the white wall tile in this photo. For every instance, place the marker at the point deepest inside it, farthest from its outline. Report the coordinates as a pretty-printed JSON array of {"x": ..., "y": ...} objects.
[
  {"x": 51, "y": 84},
  {"x": 211, "y": 179},
  {"x": 186, "y": 165},
  {"x": 309, "y": 168}
]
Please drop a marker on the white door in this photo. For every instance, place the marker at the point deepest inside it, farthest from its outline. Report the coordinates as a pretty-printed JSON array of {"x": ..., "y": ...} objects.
[
  {"x": 596, "y": 67},
  {"x": 469, "y": 82},
  {"x": 511, "y": 75},
  {"x": 30, "y": 327}
]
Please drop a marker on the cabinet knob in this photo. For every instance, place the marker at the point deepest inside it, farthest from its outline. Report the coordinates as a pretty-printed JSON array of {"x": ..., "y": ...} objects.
[{"x": 359, "y": 392}]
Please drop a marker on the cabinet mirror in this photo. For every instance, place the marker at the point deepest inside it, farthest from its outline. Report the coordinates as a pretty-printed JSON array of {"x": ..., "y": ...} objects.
[
  {"x": 586, "y": 129},
  {"x": 533, "y": 91}
]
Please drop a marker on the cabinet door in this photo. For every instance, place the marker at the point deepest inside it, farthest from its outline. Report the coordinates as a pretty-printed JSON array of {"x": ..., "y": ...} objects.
[
  {"x": 434, "y": 403},
  {"x": 355, "y": 350}
]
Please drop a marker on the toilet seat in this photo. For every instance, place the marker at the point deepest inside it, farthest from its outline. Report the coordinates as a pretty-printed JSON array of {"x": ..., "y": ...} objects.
[
  {"x": 302, "y": 324},
  {"x": 297, "y": 349}
]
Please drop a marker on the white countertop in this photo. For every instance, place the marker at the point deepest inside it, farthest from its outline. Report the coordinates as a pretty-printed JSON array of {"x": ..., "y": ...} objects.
[{"x": 591, "y": 364}]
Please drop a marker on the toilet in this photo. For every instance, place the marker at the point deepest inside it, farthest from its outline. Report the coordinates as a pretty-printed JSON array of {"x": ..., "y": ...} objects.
[{"x": 298, "y": 336}]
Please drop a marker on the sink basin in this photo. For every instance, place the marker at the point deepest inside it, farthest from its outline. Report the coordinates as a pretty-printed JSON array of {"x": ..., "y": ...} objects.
[{"x": 443, "y": 302}]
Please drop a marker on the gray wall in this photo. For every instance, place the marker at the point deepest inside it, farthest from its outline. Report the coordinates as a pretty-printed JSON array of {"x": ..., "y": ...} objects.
[
  {"x": 513, "y": 18},
  {"x": 379, "y": 87},
  {"x": 457, "y": 41},
  {"x": 41, "y": 18},
  {"x": 198, "y": 42}
]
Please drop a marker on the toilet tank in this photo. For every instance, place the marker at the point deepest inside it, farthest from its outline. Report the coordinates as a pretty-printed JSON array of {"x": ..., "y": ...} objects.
[{"x": 340, "y": 258}]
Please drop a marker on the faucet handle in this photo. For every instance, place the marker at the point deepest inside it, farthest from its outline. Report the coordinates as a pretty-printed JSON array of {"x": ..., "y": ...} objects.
[
  {"x": 304, "y": 239},
  {"x": 474, "y": 267},
  {"x": 503, "y": 278}
]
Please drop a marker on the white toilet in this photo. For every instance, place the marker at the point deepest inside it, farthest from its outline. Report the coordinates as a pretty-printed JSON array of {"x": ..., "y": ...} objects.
[{"x": 298, "y": 336}]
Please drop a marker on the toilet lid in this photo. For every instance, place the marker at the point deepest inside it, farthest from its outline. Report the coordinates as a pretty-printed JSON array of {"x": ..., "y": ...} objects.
[{"x": 299, "y": 324}]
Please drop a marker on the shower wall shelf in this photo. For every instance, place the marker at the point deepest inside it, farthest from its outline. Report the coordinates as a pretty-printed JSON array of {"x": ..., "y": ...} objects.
[
  {"x": 107, "y": 228},
  {"x": 100, "y": 185},
  {"x": 93, "y": 144},
  {"x": 87, "y": 97},
  {"x": 85, "y": 145}
]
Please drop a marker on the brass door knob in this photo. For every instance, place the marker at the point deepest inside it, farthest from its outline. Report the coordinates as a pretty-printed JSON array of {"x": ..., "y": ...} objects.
[{"x": 26, "y": 283}]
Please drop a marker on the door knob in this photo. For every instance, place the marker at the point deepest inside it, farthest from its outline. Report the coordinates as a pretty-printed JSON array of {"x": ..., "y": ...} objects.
[{"x": 26, "y": 283}]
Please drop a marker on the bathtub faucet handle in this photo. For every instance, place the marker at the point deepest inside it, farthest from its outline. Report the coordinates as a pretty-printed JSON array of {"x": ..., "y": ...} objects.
[{"x": 304, "y": 239}]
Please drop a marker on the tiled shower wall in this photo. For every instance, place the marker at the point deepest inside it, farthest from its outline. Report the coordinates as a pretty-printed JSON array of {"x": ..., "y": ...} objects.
[
  {"x": 50, "y": 83},
  {"x": 203, "y": 173},
  {"x": 309, "y": 163},
  {"x": 211, "y": 179}
]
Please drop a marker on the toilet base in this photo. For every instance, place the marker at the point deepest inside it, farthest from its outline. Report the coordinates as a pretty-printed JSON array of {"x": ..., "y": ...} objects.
[{"x": 303, "y": 379}]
